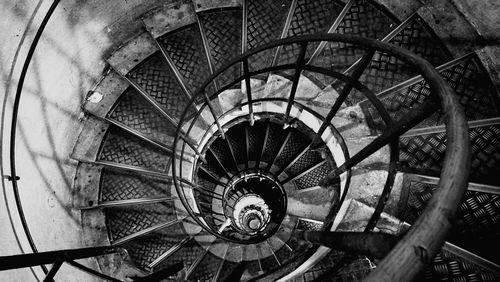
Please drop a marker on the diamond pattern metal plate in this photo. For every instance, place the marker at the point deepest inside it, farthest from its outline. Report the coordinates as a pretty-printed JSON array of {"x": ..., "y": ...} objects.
[
  {"x": 354, "y": 270},
  {"x": 309, "y": 225},
  {"x": 122, "y": 148},
  {"x": 364, "y": 19},
  {"x": 207, "y": 269},
  {"x": 266, "y": 20},
  {"x": 256, "y": 136},
  {"x": 236, "y": 138},
  {"x": 118, "y": 185},
  {"x": 274, "y": 141},
  {"x": 309, "y": 17},
  {"x": 468, "y": 80},
  {"x": 187, "y": 254},
  {"x": 283, "y": 254},
  {"x": 212, "y": 165},
  {"x": 136, "y": 113},
  {"x": 386, "y": 70},
  {"x": 478, "y": 218},
  {"x": 159, "y": 81},
  {"x": 307, "y": 160},
  {"x": 223, "y": 32},
  {"x": 448, "y": 267},
  {"x": 314, "y": 177},
  {"x": 294, "y": 145},
  {"x": 126, "y": 221},
  {"x": 226, "y": 270},
  {"x": 221, "y": 150},
  {"x": 146, "y": 249},
  {"x": 269, "y": 263},
  {"x": 185, "y": 48},
  {"x": 424, "y": 154}
]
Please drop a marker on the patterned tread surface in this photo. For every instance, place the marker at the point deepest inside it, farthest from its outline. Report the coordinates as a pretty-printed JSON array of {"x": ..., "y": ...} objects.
[
  {"x": 448, "y": 267},
  {"x": 386, "y": 70},
  {"x": 266, "y": 20},
  {"x": 363, "y": 18},
  {"x": 256, "y": 136},
  {"x": 125, "y": 221},
  {"x": 185, "y": 48},
  {"x": 118, "y": 185},
  {"x": 307, "y": 160},
  {"x": 223, "y": 32},
  {"x": 207, "y": 269},
  {"x": 135, "y": 112},
  {"x": 273, "y": 143},
  {"x": 469, "y": 81},
  {"x": 295, "y": 144},
  {"x": 155, "y": 76},
  {"x": 477, "y": 223},
  {"x": 313, "y": 177},
  {"x": 223, "y": 153},
  {"x": 309, "y": 17},
  {"x": 424, "y": 154},
  {"x": 354, "y": 269},
  {"x": 122, "y": 148},
  {"x": 235, "y": 136},
  {"x": 187, "y": 254},
  {"x": 145, "y": 250},
  {"x": 212, "y": 165}
]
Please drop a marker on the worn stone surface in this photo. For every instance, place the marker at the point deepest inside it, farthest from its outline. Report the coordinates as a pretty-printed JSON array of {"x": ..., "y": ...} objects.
[
  {"x": 106, "y": 93},
  {"x": 401, "y": 9},
  {"x": 169, "y": 17},
  {"x": 86, "y": 185},
  {"x": 483, "y": 15},
  {"x": 202, "y": 5},
  {"x": 89, "y": 140},
  {"x": 311, "y": 203},
  {"x": 68, "y": 62},
  {"x": 457, "y": 34},
  {"x": 490, "y": 57},
  {"x": 132, "y": 53},
  {"x": 355, "y": 215}
]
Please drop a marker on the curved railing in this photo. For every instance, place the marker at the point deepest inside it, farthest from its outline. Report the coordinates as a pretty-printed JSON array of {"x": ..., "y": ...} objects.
[
  {"x": 425, "y": 237},
  {"x": 56, "y": 258}
]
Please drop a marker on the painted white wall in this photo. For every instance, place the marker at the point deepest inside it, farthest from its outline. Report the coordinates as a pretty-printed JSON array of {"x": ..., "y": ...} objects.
[{"x": 68, "y": 61}]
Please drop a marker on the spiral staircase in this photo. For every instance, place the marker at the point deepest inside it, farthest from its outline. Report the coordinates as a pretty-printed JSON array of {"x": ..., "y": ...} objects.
[{"x": 229, "y": 165}]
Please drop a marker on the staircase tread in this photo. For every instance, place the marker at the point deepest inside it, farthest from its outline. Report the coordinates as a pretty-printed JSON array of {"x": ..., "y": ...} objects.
[
  {"x": 122, "y": 148},
  {"x": 169, "y": 17},
  {"x": 185, "y": 48},
  {"x": 156, "y": 77},
  {"x": 117, "y": 185},
  {"x": 133, "y": 111},
  {"x": 476, "y": 224}
]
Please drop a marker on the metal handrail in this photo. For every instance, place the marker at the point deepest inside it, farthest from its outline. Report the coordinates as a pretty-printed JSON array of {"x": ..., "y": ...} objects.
[
  {"x": 429, "y": 231},
  {"x": 421, "y": 243},
  {"x": 57, "y": 258},
  {"x": 13, "y": 129}
]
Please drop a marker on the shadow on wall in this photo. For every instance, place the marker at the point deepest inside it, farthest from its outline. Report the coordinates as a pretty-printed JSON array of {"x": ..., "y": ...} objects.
[{"x": 68, "y": 61}]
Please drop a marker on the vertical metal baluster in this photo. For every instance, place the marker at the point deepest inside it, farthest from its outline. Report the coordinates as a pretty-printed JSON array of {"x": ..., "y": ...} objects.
[
  {"x": 356, "y": 74},
  {"x": 248, "y": 90},
  {"x": 298, "y": 70},
  {"x": 212, "y": 111}
]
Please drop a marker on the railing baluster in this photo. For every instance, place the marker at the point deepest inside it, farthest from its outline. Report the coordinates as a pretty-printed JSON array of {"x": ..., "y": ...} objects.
[
  {"x": 55, "y": 267},
  {"x": 212, "y": 111},
  {"x": 390, "y": 134},
  {"x": 248, "y": 90},
  {"x": 357, "y": 72},
  {"x": 299, "y": 65}
]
